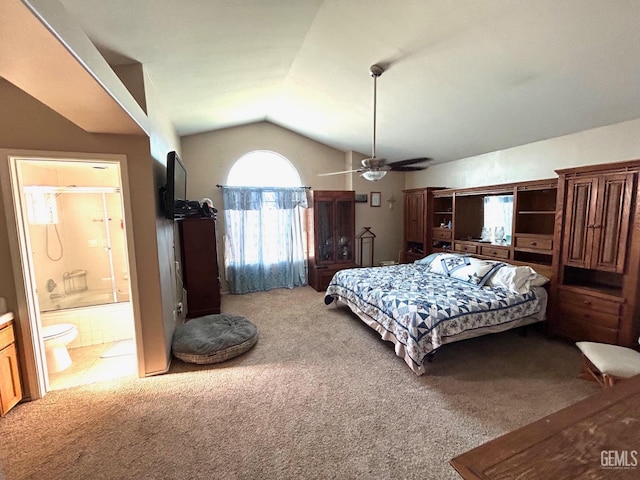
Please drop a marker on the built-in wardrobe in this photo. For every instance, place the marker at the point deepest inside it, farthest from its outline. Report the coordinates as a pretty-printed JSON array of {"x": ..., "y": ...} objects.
[
  {"x": 596, "y": 288},
  {"x": 582, "y": 230}
]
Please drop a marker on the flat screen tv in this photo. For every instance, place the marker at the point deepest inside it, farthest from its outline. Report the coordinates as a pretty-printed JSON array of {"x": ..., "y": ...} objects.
[{"x": 176, "y": 188}]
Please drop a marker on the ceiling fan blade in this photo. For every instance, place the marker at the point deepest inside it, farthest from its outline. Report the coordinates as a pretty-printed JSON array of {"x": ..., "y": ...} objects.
[
  {"x": 340, "y": 173},
  {"x": 409, "y": 161},
  {"x": 407, "y": 168}
]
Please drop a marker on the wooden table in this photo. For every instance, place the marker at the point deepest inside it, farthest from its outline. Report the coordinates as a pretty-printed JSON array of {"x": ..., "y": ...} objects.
[{"x": 598, "y": 437}]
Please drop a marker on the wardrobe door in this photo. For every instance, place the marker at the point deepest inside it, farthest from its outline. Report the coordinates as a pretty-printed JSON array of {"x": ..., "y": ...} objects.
[
  {"x": 611, "y": 227},
  {"x": 580, "y": 216}
]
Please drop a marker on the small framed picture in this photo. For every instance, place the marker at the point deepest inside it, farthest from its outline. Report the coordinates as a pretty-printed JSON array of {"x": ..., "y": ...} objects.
[
  {"x": 375, "y": 199},
  {"x": 361, "y": 198}
]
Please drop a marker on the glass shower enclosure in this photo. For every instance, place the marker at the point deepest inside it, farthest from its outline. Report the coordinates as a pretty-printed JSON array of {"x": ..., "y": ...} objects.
[{"x": 78, "y": 245}]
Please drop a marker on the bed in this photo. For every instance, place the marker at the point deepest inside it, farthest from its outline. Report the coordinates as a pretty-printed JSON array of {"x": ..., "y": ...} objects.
[{"x": 438, "y": 300}]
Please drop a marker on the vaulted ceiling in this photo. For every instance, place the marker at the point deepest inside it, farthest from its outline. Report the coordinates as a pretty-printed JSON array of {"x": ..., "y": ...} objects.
[{"x": 461, "y": 78}]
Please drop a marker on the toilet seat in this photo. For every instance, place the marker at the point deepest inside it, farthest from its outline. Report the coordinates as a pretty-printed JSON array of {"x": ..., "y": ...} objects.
[{"x": 51, "y": 332}]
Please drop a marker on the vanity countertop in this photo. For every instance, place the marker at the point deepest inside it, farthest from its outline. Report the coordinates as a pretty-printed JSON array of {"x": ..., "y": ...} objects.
[{"x": 5, "y": 318}]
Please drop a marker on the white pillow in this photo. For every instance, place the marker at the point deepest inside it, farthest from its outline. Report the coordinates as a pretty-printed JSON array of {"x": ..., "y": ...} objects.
[
  {"x": 436, "y": 265},
  {"x": 538, "y": 280},
  {"x": 518, "y": 279},
  {"x": 472, "y": 270}
]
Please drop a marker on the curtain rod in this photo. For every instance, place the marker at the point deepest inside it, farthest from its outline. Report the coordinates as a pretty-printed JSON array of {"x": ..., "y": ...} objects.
[{"x": 303, "y": 186}]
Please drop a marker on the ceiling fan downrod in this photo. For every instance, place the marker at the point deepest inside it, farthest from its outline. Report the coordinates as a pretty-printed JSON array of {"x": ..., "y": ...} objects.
[{"x": 375, "y": 71}]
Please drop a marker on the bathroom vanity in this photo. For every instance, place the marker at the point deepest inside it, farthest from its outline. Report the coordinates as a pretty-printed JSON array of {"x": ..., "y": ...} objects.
[{"x": 10, "y": 390}]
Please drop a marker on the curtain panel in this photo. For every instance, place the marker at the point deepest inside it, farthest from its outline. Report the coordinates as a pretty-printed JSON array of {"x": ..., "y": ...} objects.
[{"x": 264, "y": 243}]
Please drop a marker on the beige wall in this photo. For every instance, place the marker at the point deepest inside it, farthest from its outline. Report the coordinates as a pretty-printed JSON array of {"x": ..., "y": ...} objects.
[
  {"x": 210, "y": 156},
  {"x": 537, "y": 160},
  {"x": 385, "y": 221},
  {"x": 33, "y": 126}
]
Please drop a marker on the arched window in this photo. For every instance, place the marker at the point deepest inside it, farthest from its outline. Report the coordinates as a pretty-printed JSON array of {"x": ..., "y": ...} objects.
[
  {"x": 263, "y": 212},
  {"x": 262, "y": 168}
]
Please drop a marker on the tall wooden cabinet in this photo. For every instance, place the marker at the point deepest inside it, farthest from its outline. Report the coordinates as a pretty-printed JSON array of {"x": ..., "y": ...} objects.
[
  {"x": 200, "y": 272},
  {"x": 417, "y": 209},
  {"x": 599, "y": 248},
  {"x": 331, "y": 235},
  {"x": 414, "y": 211}
]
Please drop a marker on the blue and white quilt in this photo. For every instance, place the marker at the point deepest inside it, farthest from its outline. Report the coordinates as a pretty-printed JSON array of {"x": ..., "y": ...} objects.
[{"x": 419, "y": 310}]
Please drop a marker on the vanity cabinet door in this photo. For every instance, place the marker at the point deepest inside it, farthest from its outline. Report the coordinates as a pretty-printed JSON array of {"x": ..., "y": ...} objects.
[{"x": 10, "y": 390}]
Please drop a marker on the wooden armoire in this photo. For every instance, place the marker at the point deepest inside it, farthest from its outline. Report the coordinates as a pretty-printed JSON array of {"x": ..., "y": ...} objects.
[{"x": 597, "y": 286}]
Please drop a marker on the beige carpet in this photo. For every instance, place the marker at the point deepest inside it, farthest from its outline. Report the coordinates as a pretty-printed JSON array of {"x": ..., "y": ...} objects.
[{"x": 320, "y": 397}]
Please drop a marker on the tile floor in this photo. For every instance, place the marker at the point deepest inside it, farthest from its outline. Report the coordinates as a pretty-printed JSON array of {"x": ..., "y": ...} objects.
[{"x": 89, "y": 367}]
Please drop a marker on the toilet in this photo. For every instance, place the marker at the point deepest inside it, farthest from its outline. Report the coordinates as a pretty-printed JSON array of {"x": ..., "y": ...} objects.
[{"x": 56, "y": 338}]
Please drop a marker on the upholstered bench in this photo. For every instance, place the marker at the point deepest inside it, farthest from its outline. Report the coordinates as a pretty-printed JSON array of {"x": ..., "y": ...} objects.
[
  {"x": 213, "y": 338},
  {"x": 607, "y": 364}
]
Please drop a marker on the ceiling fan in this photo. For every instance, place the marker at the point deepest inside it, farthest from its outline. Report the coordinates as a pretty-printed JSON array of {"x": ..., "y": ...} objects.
[{"x": 375, "y": 168}]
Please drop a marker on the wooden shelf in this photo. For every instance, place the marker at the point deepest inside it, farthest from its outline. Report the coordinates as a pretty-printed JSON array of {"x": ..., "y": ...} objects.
[
  {"x": 534, "y": 205},
  {"x": 537, "y": 212}
]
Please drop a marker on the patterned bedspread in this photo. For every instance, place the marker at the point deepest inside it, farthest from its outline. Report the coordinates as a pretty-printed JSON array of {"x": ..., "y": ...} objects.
[{"x": 419, "y": 310}]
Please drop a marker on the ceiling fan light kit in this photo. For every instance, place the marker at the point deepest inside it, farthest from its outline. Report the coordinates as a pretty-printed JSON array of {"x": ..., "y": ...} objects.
[
  {"x": 373, "y": 168},
  {"x": 373, "y": 175}
]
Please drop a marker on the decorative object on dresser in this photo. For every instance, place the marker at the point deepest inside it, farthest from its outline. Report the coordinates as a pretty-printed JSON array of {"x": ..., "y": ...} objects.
[
  {"x": 331, "y": 235},
  {"x": 10, "y": 389},
  {"x": 200, "y": 265},
  {"x": 598, "y": 246}
]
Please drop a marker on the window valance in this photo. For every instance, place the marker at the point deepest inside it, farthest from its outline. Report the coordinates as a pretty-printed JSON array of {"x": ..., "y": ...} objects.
[{"x": 259, "y": 198}]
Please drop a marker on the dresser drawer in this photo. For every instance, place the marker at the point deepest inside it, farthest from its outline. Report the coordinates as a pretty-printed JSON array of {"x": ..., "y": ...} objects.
[
  {"x": 534, "y": 242},
  {"x": 589, "y": 302},
  {"x": 578, "y": 330},
  {"x": 465, "y": 247},
  {"x": 442, "y": 233},
  {"x": 492, "y": 251},
  {"x": 589, "y": 315},
  {"x": 7, "y": 336}
]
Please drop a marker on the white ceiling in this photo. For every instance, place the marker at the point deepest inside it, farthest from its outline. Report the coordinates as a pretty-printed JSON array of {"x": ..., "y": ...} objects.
[{"x": 462, "y": 77}]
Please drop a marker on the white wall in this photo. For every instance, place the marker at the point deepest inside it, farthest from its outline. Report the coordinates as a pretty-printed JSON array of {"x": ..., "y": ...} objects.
[{"x": 537, "y": 160}]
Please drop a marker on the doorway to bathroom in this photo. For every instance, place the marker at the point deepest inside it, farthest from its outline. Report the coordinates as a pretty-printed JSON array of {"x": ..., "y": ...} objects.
[{"x": 74, "y": 240}]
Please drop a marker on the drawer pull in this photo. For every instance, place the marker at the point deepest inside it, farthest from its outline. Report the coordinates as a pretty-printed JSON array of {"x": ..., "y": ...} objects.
[
  {"x": 587, "y": 302},
  {"x": 533, "y": 244}
]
